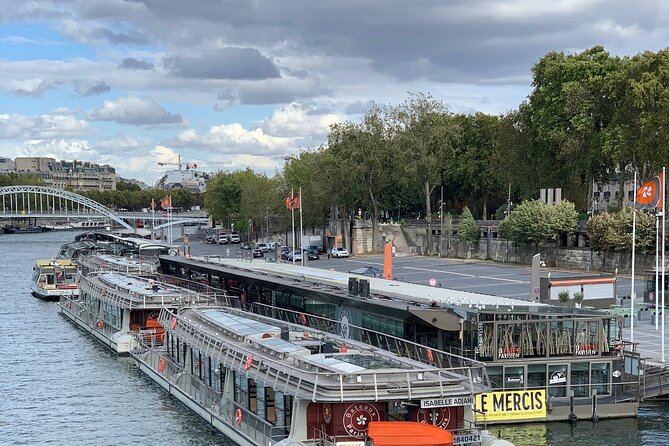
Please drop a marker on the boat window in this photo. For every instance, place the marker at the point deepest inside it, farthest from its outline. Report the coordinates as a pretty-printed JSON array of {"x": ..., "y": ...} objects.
[
  {"x": 253, "y": 396},
  {"x": 210, "y": 371},
  {"x": 580, "y": 379},
  {"x": 241, "y": 390},
  {"x": 178, "y": 350},
  {"x": 557, "y": 380},
  {"x": 288, "y": 409},
  {"x": 600, "y": 377},
  {"x": 536, "y": 376},
  {"x": 270, "y": 409}
]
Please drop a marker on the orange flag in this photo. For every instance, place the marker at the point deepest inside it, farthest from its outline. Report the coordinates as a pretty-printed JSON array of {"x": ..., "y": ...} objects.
[
  {"x": 288, "y": 201},
  {"x": 650, "y": 194}
]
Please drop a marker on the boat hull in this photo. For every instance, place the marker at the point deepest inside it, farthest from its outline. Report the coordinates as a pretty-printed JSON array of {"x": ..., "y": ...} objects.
[
  {"x": 119, "y": 342},
  {"x": 52, "y": 295},
  {"x": 216, "y": 421}
]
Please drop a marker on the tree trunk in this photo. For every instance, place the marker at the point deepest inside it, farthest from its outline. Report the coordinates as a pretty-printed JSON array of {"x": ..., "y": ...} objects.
[
  {"x": 485, "y": 208},
  {"x": 375, "y": 219},
  {"x": 428, "y": 208}
]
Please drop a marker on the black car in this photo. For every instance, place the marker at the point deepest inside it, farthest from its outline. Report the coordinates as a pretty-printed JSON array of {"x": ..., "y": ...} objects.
[
  {"x": 257, "y": 252},
  {"x": 284, "y": 252},
  {"x": 311, "y": 253},
  {"x": 245, "y": 245}
]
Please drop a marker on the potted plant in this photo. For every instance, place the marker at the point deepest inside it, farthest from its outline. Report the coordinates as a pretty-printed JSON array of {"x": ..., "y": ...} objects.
[
  {"x": 578, "y": 299},
  {"x": 563, "y": 296}
]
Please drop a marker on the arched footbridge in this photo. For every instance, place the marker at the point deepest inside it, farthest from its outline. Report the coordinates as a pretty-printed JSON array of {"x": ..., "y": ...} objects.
[{"x": 50, "y": 202}]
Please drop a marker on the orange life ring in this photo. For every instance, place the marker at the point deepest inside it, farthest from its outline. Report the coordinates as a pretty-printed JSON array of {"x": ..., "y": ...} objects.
[
  {"x": 249, "y": 362},
  {"x": 161, "y": 365},
  {"x": 343, "y": 349},
  {"x": 100, "y": 324},
  {"x": 303, "y": 319},
  {"x": 238, "y": 417},
  {"x": 174, "y": 323},
  {"x": 430, "y": 356}
]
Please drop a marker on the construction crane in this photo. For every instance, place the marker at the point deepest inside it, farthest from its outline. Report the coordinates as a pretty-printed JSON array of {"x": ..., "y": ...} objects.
[{"x": 178, "y": 163}]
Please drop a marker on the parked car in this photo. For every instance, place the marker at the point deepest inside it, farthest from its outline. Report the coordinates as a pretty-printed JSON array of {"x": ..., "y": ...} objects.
[
  {"x": 210, "y": 239},
  {"x": 272, "y": 244},
  {"x": 284, "y": 252},
  {"x": 223, "y": 239},
  {"x": 339, "y": 252},
  {"x": 235, "y": 238},
  {"x": 245, "y": 245},
  {"x": 264, "y": 247},
  {"x": 257, "y": 252},
  {"x": 311, "y": 253},
  {"x": 294, "y": 255}
]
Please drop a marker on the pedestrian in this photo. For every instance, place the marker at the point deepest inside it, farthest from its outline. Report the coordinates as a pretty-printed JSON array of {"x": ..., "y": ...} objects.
[{"x": 328, "y": 254}]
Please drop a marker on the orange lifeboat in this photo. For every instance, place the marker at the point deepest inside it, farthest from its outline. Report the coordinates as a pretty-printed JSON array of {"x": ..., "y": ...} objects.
[{"x": 408, "y": 433}]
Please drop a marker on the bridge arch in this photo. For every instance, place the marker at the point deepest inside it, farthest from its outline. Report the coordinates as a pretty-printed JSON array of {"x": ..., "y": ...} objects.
[{"x": 40, "y": 201}]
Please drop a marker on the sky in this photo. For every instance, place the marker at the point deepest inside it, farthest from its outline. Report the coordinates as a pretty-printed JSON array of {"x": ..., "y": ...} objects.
[{"x": 234, "y": 84}]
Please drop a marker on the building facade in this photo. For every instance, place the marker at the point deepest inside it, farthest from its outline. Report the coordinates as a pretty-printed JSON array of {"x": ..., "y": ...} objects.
[{"x": 77, "y": 175}]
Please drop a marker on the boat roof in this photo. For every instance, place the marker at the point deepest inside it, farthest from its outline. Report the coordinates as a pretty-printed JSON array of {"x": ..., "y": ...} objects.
[
  {"x": 63, "y": 263},
  {"x": 127, "y": 264},
  {"x": 130, "y": 291},
  {"x": 391, "y": 290},
  {"x": 313, "y": 364}
]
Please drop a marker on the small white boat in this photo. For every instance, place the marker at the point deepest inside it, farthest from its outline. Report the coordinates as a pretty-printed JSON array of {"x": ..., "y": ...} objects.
[
  {"x": 91, "y": 224},
  {"x": 53, "y": 278},
  {"x": 58, "y": 227}
]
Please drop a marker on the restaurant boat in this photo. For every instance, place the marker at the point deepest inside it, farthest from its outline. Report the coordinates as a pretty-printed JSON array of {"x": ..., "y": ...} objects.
[
  {"x": 117, "y": 309},
  {"x": 262, "y": 381},
  {"x": 54, "y": 278},
  {"x": 572, "y": 360}
]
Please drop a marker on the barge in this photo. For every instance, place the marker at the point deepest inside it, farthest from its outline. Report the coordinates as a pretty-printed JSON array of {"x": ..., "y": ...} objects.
[
  {"x": 117, "y": 309},
  {"x": 263, "y": 381},
  {"x": 571, "y": 359}
]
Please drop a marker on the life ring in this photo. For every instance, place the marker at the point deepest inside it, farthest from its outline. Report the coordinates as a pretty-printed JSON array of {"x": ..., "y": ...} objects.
[
  {"x": 100, "y": 324},
  {"x": 249, "y": 362},
  {"x": 430, "y": 356},
  {"x": 303, "y": 319},
  {"x": 238, "y": 417},
  {"x": 161, "y": 365},
  {"x": 174, "y": 323}
]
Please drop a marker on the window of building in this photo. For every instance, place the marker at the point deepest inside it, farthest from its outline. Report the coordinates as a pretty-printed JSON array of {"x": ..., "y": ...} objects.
[
  {"x": 514, "y": 377},
  {"x": 580, "y": 379},
  {"x": 600, "y": 376},
  {"x": 496, "y": 378},
  {"x": 536, "y": 376},
  {"x": 557, "y": 380}
]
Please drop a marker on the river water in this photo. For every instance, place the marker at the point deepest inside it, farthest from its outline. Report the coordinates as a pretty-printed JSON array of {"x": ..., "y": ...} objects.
[{"x": 59, "y": 386}]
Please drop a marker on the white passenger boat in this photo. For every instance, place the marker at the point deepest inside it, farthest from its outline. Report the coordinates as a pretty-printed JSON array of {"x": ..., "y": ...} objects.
[
  {"x": 121, "y": 264},
  {"x": 91, "y": 224},
  {"x": 261, "y": 381},
  {"x": 54, "y": 278},
  {"x": 118, "y": 308}
]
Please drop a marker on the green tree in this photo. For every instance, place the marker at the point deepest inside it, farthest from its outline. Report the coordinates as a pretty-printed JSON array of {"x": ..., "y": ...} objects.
[
  {"x": 612, "y": 232},
  {"x": 425, "y": 134},
  {"x": 468, "y": 230}
]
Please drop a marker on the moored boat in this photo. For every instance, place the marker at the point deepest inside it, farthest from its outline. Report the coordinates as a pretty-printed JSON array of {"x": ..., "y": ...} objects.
[
  {"x": 263, "y": 381},
  {"x": 117, "y": 308},
  {"x": 11, "y": 229},
  {"x": 54, "y": 278}
]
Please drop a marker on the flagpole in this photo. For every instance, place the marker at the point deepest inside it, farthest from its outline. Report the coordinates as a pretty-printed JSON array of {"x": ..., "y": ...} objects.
[
  {"x": 664, "y": 187},
  {"x": 301, "y": 231},
  {"x": 292, "y": 215},
  {"x": 657, "y": 269},
  {"x": 632, "y": 293}
]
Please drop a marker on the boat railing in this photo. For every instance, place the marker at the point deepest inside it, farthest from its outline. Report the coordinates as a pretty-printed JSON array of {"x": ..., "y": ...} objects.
[
  {"x": 128, "y": 299},
  {"x": 399, "y": 346},
  {"x": 142, "y": 264},
  {"x": 316, "y": 383}
]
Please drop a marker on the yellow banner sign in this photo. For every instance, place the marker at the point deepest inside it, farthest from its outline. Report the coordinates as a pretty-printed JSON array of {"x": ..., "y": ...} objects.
[{"x": 510, "y": 405}]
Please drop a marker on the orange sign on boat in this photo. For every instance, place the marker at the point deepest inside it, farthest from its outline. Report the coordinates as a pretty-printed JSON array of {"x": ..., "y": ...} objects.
[{"x": 408, "y": 433}]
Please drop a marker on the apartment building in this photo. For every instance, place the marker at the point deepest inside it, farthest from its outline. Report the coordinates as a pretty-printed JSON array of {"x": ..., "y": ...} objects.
[{"x": 77, "y": 175}]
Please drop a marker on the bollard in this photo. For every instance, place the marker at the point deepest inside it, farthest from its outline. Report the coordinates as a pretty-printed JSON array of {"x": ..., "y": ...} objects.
[
  {"x": 572, "y": 415},
  {"x": 595, "y": 417}
]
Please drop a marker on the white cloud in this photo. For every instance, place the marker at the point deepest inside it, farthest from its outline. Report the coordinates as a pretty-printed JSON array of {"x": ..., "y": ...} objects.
[
  {"x": 123, "y": 143},
  {"x": 67, "y": 149},
  {"x": 29, "y": 87},
  {"x": 294, "y": 121},
  {"x": 134, "y": 110},
  {"x": 235, "y": 139},
  {"x": 41, "y": 127}
]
